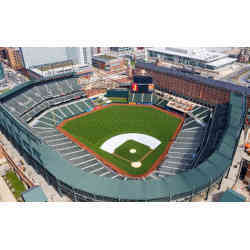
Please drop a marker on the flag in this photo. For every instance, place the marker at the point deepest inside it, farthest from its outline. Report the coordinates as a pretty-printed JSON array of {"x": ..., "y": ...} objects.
[
  {"x": 150, "y": 87},
  {"x": 134, "y": 87}
]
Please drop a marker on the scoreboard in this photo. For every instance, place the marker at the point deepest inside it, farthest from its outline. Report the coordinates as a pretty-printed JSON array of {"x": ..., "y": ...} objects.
[
  {"x": 142, "y": 88},
  {"x": 142, "y": 84}
]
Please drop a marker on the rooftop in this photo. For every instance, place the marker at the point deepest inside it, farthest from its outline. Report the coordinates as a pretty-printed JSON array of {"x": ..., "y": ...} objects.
[
  {"x": 222, "y": 62},
  {"x": 34, "y": 194},
  {"x": 104, "y": 58},
  {"x": 231, "y": 196},
  {"x": 201, "y": 54},
  {"x": 195, "y": 78},
  {"x": 56, "y": 65}
]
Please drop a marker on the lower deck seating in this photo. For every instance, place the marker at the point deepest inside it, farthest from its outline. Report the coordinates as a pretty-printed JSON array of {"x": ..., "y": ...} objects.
[
  {"x": 78, "y": 157},
  {"x": 60, "y": 113},
  {"x": 183, "y": 150}
]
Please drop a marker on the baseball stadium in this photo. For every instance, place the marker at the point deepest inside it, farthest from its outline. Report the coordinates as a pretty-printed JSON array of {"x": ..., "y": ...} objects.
[{"x": 174, "y": 136}]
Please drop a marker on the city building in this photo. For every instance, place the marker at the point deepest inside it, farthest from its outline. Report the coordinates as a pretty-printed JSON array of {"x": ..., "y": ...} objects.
[
  {"x": 94, "y": 51},
  {"x": 35, "y": 56},
  {"x": 120, "y": 49},
  {"x": 14, "y": 58},
  {"x": 108, "y": 63},
  {"x": 103, "y": 50},
  {"x": 79, "y": 55},
  {"x": 53, "y": 69},
  {"x": 198, "y": 57},
  {"x": 244, "y": 55},
  {"x": 47, "y": 61}
]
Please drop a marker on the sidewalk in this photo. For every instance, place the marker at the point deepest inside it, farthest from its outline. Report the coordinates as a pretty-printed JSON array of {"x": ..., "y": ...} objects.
[{"x": 5, "y": 193}]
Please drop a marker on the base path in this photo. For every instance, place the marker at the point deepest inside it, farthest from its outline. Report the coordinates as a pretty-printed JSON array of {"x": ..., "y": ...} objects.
[
  {"x": 5, "y": 193},
  {"x": 115, "y": 142}
]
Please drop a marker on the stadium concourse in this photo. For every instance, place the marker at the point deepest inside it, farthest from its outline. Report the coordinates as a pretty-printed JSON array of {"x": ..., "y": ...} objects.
[{"x": 199, "y": 157}]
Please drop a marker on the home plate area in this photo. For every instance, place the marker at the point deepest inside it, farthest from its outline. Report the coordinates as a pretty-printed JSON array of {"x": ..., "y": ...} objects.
[
  {"x": 132, "y": 147},
  {"x": 136, "y": 164}
]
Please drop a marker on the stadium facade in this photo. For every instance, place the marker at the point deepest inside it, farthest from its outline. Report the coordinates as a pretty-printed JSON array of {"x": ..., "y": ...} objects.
[{"x": 227, "y": 111}]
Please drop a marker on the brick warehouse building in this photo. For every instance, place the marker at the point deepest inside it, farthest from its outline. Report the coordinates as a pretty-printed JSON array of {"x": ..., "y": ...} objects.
[{"x": 108, "y": 63}]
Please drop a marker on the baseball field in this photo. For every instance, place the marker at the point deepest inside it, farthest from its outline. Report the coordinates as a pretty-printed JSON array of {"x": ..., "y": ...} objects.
[{"x": 145, "y": 132}]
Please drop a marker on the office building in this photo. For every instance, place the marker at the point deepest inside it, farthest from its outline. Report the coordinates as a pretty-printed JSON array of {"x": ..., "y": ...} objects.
[
  {"x": 37, "y": 56},
  {"x": 196, "y": 57}
]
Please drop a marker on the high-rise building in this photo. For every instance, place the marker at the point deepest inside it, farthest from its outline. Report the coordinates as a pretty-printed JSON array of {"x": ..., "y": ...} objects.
[
  {"x": 79, "y": 55},
  {"x": 36, "y": 56}
]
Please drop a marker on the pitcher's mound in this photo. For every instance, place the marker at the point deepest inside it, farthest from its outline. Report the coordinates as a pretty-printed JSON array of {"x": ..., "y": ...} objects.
[
  {"x": 136, "y": 164},
  {"x": 132, "y": 151}
]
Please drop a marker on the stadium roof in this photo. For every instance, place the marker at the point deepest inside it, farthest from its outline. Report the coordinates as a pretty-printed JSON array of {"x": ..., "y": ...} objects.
[
  {"x": 34, "y": 194},
  {"x": 231, "y": 196},
  {"x": 194, "y": 78}
]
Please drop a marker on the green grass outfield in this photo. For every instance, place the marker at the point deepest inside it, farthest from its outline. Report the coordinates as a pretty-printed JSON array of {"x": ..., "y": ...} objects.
[{"x": 97, "y": 127}]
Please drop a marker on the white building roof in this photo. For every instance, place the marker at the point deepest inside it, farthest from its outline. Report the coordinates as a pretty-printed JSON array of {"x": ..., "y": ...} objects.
[
  {"x": 193, "y": 53},
  {"x": 59, "y": 70},
  {"x": 222, "y": 62}
]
